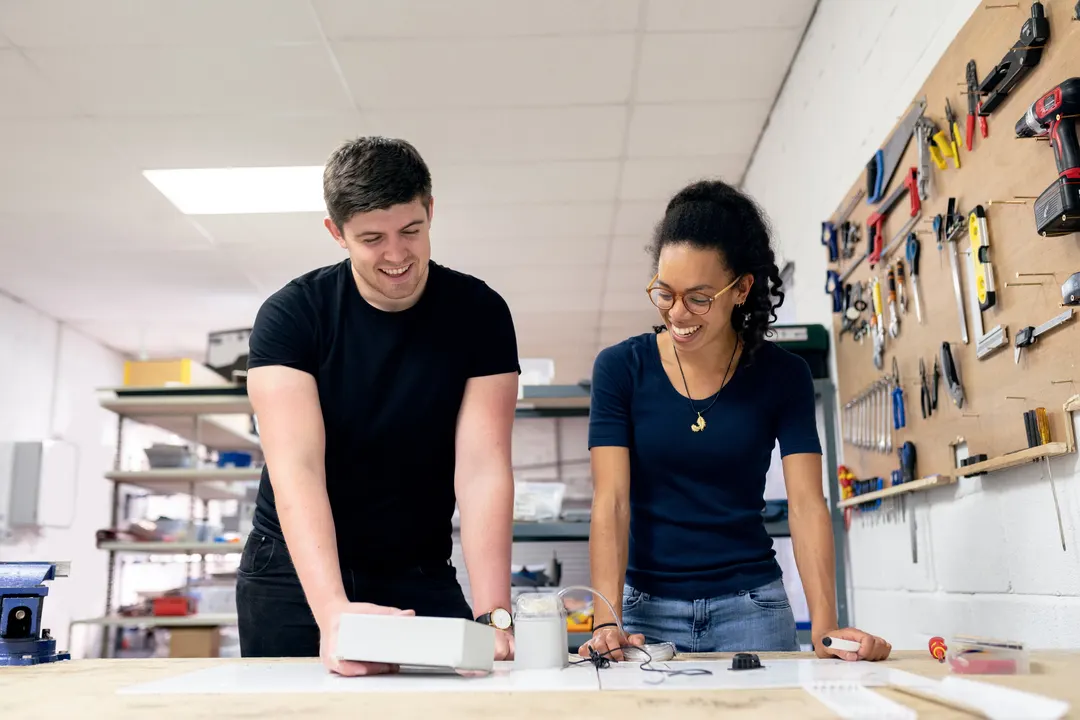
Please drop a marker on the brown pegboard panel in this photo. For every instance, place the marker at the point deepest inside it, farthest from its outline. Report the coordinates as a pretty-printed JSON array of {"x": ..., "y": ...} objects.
[{"x": 1001, "y": 168}]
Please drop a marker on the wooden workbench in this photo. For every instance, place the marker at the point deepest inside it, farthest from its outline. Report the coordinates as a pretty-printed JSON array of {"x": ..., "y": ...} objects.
[{"x": 87, "y": 689}]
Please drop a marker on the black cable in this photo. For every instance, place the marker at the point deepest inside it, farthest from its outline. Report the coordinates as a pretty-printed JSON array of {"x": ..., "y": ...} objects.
[{"x": 601, "y": 661}]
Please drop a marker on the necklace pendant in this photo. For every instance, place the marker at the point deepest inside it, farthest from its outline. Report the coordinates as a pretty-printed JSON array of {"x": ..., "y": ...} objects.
[{"x": 699, "y": 424}]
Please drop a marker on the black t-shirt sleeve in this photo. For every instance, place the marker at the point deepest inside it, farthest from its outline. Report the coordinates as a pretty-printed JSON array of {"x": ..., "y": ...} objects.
[
  {"x": 495, "y": 350},
  {"x": 285, "y": 332},
  {"x": 797, "y": 417}
]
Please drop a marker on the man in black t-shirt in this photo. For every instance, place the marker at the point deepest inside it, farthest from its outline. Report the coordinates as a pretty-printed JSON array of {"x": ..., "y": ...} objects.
[{"x": 385, "y": 388}]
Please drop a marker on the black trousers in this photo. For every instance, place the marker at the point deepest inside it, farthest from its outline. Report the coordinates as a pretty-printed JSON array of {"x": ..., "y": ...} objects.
[{"x": 276, "y": 621}]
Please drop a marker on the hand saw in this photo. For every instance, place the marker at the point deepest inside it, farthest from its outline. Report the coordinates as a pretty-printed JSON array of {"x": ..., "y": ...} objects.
[{"x": 880, "y": 169}]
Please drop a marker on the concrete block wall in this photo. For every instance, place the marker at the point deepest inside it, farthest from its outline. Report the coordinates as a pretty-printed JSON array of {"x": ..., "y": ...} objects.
[
  {"x": 989, "y": 556},
  {"x": 48, "y": 374}
]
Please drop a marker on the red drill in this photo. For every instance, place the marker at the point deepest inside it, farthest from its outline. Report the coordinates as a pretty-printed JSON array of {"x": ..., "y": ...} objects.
[{"x": 1057, "y": 211}]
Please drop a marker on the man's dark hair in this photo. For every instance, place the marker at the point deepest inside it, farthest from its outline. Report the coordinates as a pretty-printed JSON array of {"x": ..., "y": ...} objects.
[{"x": 373, "y": 173}]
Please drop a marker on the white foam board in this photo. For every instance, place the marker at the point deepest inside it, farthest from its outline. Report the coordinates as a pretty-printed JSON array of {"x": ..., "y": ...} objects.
[
  {"x": 416, "y": 640},
  {"x": 246, "y": 678}
]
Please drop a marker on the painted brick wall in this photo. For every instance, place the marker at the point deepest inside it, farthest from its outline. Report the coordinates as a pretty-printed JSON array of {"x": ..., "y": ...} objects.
[
  {"x": 48, "y": 374},
  {"x": 989, "y": 559}
]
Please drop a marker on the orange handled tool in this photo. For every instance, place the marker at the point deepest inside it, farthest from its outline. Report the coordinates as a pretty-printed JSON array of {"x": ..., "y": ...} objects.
[{"x": 937, "y": 649}]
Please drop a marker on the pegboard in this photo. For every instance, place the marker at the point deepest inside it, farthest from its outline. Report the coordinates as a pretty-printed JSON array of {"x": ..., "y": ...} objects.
[{"x": 1001, "y": 167}]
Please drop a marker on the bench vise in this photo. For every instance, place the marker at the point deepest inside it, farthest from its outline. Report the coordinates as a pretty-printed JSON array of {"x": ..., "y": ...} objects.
[{"x": 22, "y": 597}]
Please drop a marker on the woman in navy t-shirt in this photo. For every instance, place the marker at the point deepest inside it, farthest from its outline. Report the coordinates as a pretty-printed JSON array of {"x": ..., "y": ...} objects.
[{"x": 682, "y": 428}]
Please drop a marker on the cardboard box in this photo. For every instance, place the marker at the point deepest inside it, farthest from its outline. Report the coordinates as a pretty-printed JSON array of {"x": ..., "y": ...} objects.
[
  {"x": 168, "y": 372},
  {"x": 194, "y": 642}
]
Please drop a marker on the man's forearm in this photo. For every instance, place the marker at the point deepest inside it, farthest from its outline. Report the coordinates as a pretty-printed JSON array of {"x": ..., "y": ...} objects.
[
  {"x": 812, "y": 541},
  {"x": 486, "y": 504},
  {"x": 608, "y": 541},
  {"x": 308, "y": 525}
]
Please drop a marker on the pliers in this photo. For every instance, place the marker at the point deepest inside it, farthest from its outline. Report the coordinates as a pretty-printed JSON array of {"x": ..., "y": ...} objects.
[
  {"x": 954, "y": 132},
  {"x": 925, "y": 399}
]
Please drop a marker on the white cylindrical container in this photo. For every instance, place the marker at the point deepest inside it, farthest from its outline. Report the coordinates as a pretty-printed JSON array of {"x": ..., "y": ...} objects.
[{"x": 540, "y": 637}]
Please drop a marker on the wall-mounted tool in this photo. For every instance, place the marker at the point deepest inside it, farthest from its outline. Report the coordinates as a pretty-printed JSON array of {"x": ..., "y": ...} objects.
[
  {"x": 880, "y": 169},
  {"x": 907, "y": 472},
  {"x": 23, "y": 641},
  {"x": 935, "y": 384},
  {"x": 952, "y": 375},
  {"x": 894, "y": 316},
  {"x": 949, "y": 232},
  {"x": 829, "y": 228},
  {"x": 924, "y": 391},
  {"x": 1057, "y": 209},
  {"x": 901, "y": 286},
  {"x": 924, "y": 133},
  {"x": 982, "y": 286},
  {"x": 913, "y": 252},
  {"x": 875, "y": 224},
  {"x": 899, "y": 416},
  {"x": 877, "y": 322},
  {"x": 1018, "y": 61},
  {"x": 974, "y": 106},
  {"x": 834, "y": 288},
  {"x": 1029, "y": 335},
  {"x": 956, "y": 140},
  {"x": 849, "y": 237},
  {"x": 1070, "y": 291}
]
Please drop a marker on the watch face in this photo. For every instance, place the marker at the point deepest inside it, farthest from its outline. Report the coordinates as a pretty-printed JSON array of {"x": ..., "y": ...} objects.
[{"x": 501, "y": 619}]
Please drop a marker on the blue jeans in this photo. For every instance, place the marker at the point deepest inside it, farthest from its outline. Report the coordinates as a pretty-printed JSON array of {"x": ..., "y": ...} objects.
[{"x": 758, "y": 620}]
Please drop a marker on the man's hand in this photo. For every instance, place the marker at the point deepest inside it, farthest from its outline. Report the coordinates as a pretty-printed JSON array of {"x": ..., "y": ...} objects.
[
  {"x": 504, "y": 645},
  {"x": 609, "y": 640},
  {"x": 328, "y": 631},
  {"x": 871, "y": 647}
]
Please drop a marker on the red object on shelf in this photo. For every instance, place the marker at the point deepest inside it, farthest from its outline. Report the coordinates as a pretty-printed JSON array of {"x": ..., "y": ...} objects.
[{"x": 173, "y": 605}]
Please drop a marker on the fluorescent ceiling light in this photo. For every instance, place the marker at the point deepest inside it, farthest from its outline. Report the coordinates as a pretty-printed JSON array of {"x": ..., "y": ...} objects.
[{"x": 237, "y": 191}]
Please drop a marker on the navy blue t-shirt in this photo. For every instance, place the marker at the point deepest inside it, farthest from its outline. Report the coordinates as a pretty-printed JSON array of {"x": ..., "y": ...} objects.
[{"x": 696, "y": 498}]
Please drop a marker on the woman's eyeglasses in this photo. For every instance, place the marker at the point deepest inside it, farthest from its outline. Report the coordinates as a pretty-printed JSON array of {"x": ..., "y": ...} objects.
[{"x": 695, "y": 301}]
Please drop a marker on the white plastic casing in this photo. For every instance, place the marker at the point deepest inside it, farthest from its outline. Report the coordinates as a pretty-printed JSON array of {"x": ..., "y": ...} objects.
[{"x": 417, "y": 641}]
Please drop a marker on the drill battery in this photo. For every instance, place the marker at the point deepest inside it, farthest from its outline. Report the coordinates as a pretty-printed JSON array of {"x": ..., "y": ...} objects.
[{"x": 1057, "y": 211}]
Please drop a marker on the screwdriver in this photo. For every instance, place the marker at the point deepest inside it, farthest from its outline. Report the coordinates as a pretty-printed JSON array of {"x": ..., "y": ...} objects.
[
  {"x": 912, "y": 251},
  {"x": 901, "y": 290}
]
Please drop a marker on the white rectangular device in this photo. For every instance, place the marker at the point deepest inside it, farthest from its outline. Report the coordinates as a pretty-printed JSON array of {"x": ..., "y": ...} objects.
[{"x": 417, "y": 641}]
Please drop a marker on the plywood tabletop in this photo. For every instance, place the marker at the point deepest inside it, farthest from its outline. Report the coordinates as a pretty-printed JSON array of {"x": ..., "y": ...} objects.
[{"x": 88, "y": 689}]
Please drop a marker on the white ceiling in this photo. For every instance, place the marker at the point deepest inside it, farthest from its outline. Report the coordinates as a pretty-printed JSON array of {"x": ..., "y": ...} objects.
[{"x": 555, "y": 132}]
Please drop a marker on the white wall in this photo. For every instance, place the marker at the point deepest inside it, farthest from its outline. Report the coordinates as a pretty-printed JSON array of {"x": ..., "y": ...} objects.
[
  {"x": 990, "y": 561},
  {"x": 48, "y": 374}
]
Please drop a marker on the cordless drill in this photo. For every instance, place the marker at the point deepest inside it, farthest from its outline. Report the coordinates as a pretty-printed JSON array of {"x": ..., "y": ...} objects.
[{"x": 1057, "y": 211}]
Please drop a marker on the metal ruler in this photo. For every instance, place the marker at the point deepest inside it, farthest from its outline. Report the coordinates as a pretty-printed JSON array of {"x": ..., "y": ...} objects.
[{"x": 1028, "y": 335}]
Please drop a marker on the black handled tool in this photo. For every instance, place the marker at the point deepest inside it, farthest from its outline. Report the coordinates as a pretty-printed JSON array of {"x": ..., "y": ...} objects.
[
  {"x": 1028, "y": 335},
  {"x": 924, "y": 391},
  {"x": 1070, "y": 290},
  {"x": 952, "y": 376},
  {"x": 1018, "y": 61}
]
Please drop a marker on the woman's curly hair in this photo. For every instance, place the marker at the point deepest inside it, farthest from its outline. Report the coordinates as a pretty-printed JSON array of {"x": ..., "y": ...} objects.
[{"x": 712, "y": 215}]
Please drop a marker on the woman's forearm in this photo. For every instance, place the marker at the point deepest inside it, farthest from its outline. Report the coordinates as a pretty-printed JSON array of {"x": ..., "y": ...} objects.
[
  {"x": 812, "y": 540},
  {"x": 608, "y": 550}
]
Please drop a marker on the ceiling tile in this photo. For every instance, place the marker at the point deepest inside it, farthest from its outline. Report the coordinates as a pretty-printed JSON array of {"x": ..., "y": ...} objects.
[
  {"x": 680, "y": 130},
  {"x": 572, "y": 327},
  {"x": 477, "y": 254},
  {"x": 269, "y": 232},
  {"x": 506, "y": 134},
  {"x": 514, "y": 222},
  {"x": 660, "y": 178},
  {"x": 26, "y": 94},
  {"x": 363, "y": 19},
  {"x": 250, "y": 140},
  {"x": 671, "y": 66},
  {"x": 487, "y": 185},
  {"x": 141, "y": 81},
  {"x": 272, "y": 268},
  {"x": 110, "y": 23},
  {"x": 726, "y": 15},
  {"x": 633, "y": 250},
  {"x": 67, "y": 230},
  {"x": 156, "y": 340},
  {"x": 638, "y": 218},
  {"x": 488, "y": 72}
]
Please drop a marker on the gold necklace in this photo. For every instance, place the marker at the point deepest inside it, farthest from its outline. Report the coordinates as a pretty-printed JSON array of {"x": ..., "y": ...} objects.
[{"x": 699, "y": 424}]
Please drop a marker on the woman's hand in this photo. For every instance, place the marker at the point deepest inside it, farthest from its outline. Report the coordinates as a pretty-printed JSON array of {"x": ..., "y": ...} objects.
[
  {"x": 610, "y": 640},
  {"x": 871, "y": 647}
]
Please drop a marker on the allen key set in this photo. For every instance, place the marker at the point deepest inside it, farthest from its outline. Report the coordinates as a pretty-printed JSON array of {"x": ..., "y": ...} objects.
[{"x": 867, "y": 418}]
